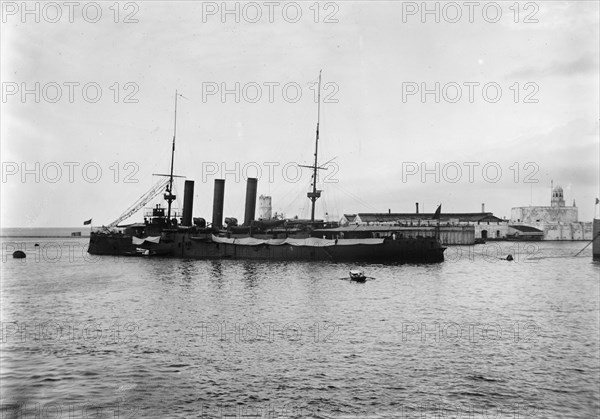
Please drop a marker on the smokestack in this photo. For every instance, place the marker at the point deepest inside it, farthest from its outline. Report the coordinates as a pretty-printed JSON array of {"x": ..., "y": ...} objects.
[
  {"x": 218, "y": 198},
  {"x": 482, "y": 207},
  {"x": 417, "y": 205},
  {"x": 251, "y": 187},
  {"x": 188, "y": 203}
]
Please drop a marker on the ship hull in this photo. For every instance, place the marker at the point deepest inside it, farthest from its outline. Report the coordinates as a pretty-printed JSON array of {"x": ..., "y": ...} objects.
[
  {"x": 425, "y": 250},
  {"x": 596, "y": 240},
  {"x": 111, "y": 244},
  {"x": 386, "y": 252}
]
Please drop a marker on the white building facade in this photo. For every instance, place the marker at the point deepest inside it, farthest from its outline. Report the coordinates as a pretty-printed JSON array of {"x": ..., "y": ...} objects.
[{"x": 557, "y": 221}]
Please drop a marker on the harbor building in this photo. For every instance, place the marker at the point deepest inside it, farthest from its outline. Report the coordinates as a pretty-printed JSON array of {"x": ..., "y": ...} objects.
[
  {"x": 455, "y": 228},
  {"x": 557, "y": 221}
]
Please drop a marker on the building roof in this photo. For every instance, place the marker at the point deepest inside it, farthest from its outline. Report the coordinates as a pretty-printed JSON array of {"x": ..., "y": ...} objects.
[
  {"x": 526, "y": 229},
  {"x": 461, "y": 216},
  {"x": 350, "y": 217},
  {"x": 374, "y": 229}
]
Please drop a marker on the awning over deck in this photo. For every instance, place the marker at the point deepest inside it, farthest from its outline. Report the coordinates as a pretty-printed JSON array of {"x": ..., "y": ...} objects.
[
  {"x": 310, "y": 242},
  {"x": 137, "y": 240}
]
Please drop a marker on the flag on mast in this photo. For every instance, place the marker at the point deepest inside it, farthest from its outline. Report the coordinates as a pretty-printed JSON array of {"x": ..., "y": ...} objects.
[
  {"x": 88, "y": 222},
  {"x": 437, "y": 214}
]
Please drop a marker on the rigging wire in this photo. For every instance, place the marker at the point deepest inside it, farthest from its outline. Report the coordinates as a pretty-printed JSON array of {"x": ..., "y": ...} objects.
[
  {"x": 357, "y": 199},
  {"x": 298, "y": 193}
]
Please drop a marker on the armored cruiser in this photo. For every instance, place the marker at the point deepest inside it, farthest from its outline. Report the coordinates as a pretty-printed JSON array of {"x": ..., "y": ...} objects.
[{"x": 169, "y": 234}]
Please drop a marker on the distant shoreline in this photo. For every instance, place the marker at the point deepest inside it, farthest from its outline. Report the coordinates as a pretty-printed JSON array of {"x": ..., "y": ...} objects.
[
  {"x": 12, "y": 236},
  {"x": 44, "y": 232}
]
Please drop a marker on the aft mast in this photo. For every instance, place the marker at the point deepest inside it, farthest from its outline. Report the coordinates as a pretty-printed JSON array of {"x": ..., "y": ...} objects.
[
  {"x": 315, "y": 194},
  {"x": 169, "y": 197}
]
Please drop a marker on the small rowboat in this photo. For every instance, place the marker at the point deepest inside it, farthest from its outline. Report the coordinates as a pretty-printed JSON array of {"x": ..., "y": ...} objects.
[{"x": 356, "y": 275}]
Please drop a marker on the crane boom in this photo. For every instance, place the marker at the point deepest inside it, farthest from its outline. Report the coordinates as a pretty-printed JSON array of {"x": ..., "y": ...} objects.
[{"x": 143, "y": 200}]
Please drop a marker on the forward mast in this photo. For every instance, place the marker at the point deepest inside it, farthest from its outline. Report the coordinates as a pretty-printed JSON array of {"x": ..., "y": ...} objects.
[{"x": 315, "y": 193}]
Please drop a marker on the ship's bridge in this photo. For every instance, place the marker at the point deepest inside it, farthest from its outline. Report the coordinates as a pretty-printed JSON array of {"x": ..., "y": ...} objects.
[{"x": 157, "y": 215}]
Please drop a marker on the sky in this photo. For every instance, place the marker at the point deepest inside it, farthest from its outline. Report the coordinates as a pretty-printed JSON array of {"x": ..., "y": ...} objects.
[{"x": 454, "y": 103}]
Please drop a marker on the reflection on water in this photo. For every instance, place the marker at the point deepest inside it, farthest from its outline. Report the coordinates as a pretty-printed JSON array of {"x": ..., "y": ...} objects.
[
  {"x": 250, "y": 273},
  {"x": 188, "y": 270},
  {"x": 216, "y": 267},
  {"x": 182, "y": 338}
]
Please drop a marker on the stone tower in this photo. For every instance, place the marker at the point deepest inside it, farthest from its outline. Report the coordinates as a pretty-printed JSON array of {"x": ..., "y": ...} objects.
[
  {"x": 557, "y": 198},
  {"x": 264, "y": 207}
]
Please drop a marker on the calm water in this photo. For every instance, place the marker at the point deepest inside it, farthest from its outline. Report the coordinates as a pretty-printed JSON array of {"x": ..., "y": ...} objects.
[
  {"x": 43, "y": 231},
  {"x": 135, "y": 337}
]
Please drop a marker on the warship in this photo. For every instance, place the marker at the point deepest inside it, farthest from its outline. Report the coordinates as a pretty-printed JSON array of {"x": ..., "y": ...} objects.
[{"x": 167, "y": 233}]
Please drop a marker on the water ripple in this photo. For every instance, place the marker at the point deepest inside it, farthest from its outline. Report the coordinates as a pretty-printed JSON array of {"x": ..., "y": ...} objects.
[{"x": 180, "y": 338}]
